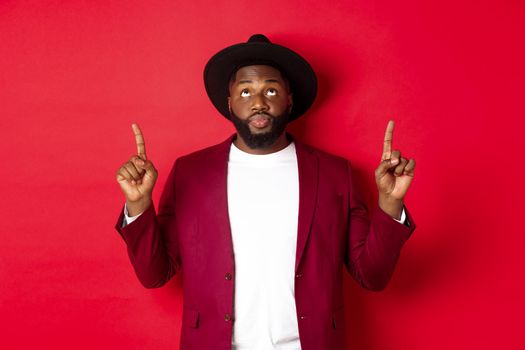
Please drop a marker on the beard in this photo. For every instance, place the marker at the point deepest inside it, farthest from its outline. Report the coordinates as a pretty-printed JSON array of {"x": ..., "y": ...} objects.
[{"x": 264, "y": 139}]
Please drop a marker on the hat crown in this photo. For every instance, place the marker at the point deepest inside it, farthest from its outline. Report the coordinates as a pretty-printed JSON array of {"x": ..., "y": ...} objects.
[{"x": 259, "y": 38}]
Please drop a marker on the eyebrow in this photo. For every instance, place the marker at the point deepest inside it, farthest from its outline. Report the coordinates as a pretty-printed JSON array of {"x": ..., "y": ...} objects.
[{"x": 246, "y": 81}]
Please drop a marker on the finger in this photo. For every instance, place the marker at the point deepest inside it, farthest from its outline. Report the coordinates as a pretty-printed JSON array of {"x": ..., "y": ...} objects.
[
  {"x": 139, "y": 140},
  {"x": 395, "y": 156},
  {"x": 383, "y": 168},
  {"x": 129, "y": 175},
  {"x": 138, "y": 163},
  {"x": 387, "y": 164},
  {"x": 149, "y": 169},
  {"x": 124, "y": 175},
  {"x": 146, "y": 168},
  {"x": 398, "y": 171},
  {"x": 387, "y": 143},
  {"x": 121, "y": 175},
  {"x": 409, "y": 169},
  {"x": 134, "y": 172},
  {"x": 131, "y": 179}
]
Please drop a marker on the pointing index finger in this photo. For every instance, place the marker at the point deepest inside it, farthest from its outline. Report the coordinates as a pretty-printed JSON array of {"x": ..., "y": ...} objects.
[
  {"x": 387, "y": 144},
  {"x": 139, "y": 139}
]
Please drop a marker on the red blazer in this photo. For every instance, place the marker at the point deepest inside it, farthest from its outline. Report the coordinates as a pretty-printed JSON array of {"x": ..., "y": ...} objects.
[{"x": 191, "y": 234}]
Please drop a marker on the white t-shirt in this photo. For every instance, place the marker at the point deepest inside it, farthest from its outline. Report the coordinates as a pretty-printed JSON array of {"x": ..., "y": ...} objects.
[{"x": 263, "y": 205}]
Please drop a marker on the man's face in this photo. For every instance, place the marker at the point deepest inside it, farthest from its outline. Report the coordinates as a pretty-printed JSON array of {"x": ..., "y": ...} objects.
[{"x": 260, "y": 103}]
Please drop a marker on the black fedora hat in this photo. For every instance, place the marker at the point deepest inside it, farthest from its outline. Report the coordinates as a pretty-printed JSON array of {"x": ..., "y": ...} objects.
[{"x": 259, "y": 50}]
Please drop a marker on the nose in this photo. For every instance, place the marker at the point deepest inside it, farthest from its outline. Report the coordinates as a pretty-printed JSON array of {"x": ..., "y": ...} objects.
[{"x": 259, "y": 103}]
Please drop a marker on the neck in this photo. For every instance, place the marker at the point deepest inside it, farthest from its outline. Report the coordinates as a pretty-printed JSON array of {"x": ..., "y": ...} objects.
[{"x": 278, "y": 145}]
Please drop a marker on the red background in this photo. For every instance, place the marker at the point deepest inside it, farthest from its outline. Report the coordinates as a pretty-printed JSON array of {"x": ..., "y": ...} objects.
[{"x": 75, "y": 74}]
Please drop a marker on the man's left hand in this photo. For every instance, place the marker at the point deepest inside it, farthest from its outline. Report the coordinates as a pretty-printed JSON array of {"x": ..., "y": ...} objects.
[{"x": 393, "y": 176}]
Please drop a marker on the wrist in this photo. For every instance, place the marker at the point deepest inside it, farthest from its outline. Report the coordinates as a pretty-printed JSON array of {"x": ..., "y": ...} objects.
[
  {"x": 391, "y": 206},
  {"x": 138, "y": 207}
]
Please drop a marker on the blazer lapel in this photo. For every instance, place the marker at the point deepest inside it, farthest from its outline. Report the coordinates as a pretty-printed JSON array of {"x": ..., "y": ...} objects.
[
  {"x": 216, "y": 215},
  {"x": 307, "y": 163}
]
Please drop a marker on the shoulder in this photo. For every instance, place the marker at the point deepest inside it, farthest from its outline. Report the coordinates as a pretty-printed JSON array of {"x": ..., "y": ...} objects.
[
  {"x": 218, "y": 152},
  {"x": 332, "y": 170},
  {"x": 324, "y": 157}
]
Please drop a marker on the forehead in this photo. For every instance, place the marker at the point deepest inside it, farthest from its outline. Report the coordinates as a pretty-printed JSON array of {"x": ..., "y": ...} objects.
[{"x": 258, "y": 72}]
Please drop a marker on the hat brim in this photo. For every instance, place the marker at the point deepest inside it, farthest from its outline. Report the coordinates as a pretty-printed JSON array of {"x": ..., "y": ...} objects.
[{"x": 301, "y": 77}]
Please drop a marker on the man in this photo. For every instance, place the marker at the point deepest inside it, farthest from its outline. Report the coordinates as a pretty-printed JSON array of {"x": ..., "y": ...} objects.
[{"x": 261, "y": 225}]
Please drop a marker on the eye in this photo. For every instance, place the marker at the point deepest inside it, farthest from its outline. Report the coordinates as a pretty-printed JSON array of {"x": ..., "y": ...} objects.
[
  {"x": 271, "y": 92},
  {"x": 245, "y": 93}
]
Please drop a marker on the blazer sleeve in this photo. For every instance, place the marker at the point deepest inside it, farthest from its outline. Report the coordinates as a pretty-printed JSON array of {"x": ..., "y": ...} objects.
[
  {"x": 373, "y": 245},
  {"x": 151, "y": 239}
]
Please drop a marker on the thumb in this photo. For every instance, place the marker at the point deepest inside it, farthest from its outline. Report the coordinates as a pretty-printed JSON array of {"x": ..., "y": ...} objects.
[
  {"x": 385, "y": 166},
  {"x": 146, "y": 165}
]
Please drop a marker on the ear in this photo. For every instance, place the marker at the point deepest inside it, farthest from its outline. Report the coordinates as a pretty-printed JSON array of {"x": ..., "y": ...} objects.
[
  {"x": 290, "y": 102},
  {"x": 229, "y": 104}
]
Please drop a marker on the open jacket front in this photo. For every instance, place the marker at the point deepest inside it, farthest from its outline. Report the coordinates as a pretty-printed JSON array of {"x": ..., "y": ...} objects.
[{"x": 192, "y": 233}]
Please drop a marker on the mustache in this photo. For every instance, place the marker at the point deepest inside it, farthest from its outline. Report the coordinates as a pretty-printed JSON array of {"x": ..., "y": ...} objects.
[{"x": 258, "y": 114}]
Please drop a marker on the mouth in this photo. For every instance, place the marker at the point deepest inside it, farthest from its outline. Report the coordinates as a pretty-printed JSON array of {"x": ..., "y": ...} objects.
[{"x": 260, "y": 121}]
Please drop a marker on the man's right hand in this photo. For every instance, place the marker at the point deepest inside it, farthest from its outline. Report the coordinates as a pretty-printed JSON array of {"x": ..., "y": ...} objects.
[{"x": 137, "y": 177}]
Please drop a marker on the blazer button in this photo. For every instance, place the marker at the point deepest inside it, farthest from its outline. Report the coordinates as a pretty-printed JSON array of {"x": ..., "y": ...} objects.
[
  {"x": 227, "y": 317},
  {"x": 228, "y": 276},
  {"x": 299, "y": 275}
]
